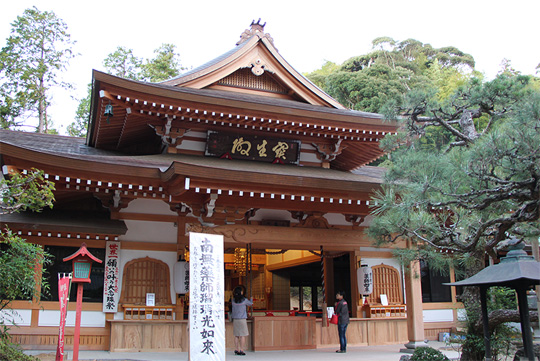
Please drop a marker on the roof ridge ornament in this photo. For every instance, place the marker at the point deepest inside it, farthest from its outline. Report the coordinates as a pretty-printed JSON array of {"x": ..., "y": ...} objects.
[{"x": 256, "y": 28}]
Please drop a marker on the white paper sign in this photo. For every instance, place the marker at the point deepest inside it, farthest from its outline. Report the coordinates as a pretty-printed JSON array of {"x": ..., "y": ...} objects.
[
  {"x": 206, "y": 296},
  {"x": 111, "y": 287},
  {"x": 330, "y": 311},
  {"x": 150, "y": 299}
]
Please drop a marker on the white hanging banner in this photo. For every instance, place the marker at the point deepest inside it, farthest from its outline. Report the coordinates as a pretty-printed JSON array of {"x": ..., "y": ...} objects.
[
  {"x": 206, "y": 297},
  {"x": 364, "y": 275},
  {"x": 111, "y": 286}
]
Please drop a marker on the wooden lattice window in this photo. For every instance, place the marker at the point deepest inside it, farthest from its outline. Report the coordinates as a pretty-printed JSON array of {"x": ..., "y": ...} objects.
[
  {"x": 386, "y": 281},
  {"x": 146, "y": 275}
]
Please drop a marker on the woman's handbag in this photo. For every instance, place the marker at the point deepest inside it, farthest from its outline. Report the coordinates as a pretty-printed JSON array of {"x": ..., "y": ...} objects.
[{"x": 334, "y": 319}]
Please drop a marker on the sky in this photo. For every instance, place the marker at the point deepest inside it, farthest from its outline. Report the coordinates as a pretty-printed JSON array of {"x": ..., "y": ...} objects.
[{"x": 306, "y": 33}]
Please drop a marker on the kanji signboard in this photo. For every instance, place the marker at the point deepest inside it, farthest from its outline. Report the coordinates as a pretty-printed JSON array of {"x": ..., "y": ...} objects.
[
  {"x": 252, "y": 147},
  {"x": 111, "y": 287}
]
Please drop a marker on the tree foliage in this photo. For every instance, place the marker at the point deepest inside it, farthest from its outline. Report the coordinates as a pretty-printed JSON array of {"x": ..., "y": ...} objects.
[
  {"x": 124, "y": 63},
  {"x": 25, "y": 191},
  {"x": 37, "y": 51},
  {"x": 79, "y": 127},
  {"x": 19, "y": 277},
  {"x": 482, "y": 186},
  {"x": 165, "y": 65},
  {"x": 464, "y": 177},
  {"x": 392, "y": 69}
]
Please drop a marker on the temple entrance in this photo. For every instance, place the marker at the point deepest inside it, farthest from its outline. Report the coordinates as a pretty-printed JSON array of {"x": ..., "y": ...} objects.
[{"x": 300, "y": 288}]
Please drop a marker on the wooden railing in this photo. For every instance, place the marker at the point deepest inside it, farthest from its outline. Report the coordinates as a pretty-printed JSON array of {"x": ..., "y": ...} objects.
[
  {"x": 141, "y": 312},
  {"x": 376, "y": 311}
]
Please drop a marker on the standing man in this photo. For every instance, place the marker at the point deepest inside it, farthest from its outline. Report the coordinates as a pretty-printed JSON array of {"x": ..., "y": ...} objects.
[{"x": 342, "y": 310}]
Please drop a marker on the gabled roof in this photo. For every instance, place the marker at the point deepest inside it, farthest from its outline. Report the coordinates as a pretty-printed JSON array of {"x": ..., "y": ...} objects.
[
  {"x": 251, "y": 90},
  {"x": 255, "y": 66}
]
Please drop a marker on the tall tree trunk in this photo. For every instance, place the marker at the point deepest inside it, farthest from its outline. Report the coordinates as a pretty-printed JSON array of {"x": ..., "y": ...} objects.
[
  {"x": 42, "y": 108},
  {"x": 471, "y": 301}
]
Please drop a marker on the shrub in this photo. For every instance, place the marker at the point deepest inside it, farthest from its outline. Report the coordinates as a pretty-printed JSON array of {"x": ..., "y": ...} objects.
[
  {"x": 428, "y": 354},
  {"x": 11, "y": 352}
]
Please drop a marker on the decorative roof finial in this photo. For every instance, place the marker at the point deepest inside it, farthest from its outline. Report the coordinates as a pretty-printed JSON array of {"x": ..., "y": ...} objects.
[
  {"x": 256, "y": 28},
  {"x": 257, "y": 25}
]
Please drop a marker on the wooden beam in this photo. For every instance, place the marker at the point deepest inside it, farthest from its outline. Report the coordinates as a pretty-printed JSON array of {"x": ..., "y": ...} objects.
[{"x": 288, "y": 237}]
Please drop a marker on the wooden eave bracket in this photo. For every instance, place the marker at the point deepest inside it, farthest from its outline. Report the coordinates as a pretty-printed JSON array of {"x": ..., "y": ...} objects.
[
  {"x": 328, "y": 152},
  {"x": 355, "y": 219},
  {"x": 169, "y": 138}
]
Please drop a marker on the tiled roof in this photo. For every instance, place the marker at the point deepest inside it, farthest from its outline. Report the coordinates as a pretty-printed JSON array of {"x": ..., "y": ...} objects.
[
  {"x": 75, "y": 148},
  {"x": 250, "y": 98},
  {"x": 187, "y": 75}
]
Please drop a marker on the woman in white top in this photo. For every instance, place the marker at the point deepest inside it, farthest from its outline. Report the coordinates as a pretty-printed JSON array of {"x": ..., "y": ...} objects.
[{"x": 239, "y": 316}]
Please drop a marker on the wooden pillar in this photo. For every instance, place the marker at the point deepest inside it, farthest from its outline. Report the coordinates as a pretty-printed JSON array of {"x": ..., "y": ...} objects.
[
  {"x": 36, "y": 297},
  {"x": 181, "y": 242},
  {"x": 415, "y": 317},
  {"x": 78, "y": 312},
  {"x": 329, "y": 281},
  {"x": 354, "y": 259},
  {"x": 268, "y": 286}
]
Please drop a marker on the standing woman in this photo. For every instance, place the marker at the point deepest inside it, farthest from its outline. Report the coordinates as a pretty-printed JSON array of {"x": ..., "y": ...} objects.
[
  {"x": 239, "y": 316},
  {"x": 342, "y": 310}
]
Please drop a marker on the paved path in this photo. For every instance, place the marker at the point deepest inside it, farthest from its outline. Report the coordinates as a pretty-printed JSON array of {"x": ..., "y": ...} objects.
[{"x": 368, "y": 353}]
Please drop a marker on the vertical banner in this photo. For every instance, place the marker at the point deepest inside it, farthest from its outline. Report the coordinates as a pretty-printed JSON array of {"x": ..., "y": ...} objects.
[
  {"x": 64, "y": 285},
  {"x": 111, "y": 288},
  {"x": 206, "y": 299}
]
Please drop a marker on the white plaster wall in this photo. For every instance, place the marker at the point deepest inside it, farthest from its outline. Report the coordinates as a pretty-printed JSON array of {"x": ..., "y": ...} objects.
[
  {"x": 377, "y": 261},
  {"x": 16, "y": 317},
  {"x": 273, "y": 214},
  {"x": 194, "y": 145},
  {"x": 145, "y": 231},
  {"x": 88, "y": 318},
  {"x": 438, "y": 315},
  {"x": 195, "y": 134},
  {"x": 308, "y": 157},
  {"x": 151, "y": 206},
  {"x": 199, "y": 146}
]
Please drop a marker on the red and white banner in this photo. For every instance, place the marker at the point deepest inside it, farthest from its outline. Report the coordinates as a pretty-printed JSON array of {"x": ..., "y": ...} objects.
[
  {"x": 64, "y": 284},
  {"x": 111, "y": 286}
]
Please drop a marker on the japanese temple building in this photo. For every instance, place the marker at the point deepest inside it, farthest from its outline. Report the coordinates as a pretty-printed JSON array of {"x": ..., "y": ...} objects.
[{"x": 243, "y": 146}]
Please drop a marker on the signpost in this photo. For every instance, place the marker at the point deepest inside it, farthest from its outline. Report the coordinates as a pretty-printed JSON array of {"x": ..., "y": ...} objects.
[{"x": 111, "y": 287}]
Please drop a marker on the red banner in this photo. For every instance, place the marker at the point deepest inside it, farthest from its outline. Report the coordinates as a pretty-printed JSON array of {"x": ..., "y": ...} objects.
[{"x": 64, "y": 283}]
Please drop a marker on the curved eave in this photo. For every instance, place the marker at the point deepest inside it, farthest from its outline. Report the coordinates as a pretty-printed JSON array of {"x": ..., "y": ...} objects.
[
  {"x": 318, "y": 114},
  {"x": 218, "y": 173}
]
